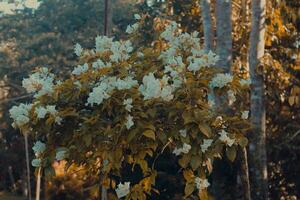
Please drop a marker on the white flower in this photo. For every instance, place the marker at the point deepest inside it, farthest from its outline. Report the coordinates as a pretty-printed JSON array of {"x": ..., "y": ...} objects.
[
  {"x": 128, "y": 104},
  {"x": 41, "y": 112},
  {"x": 103, "y": 43},
  {"x": 231, "y": 97},
  {"x": 186, "y": 148},
  {"x": 120, "y": 51},
  {"x": 224, "y": 138},
  {"x": 245, "y": 82},
  {"x": 206, "y": 143},
  {"x": 123, "y": 189},
  {"x": 220, "y": 80},
  {"x": 40, "y": 82},
  {"x": 78, "y": 49},
  {"x": 60, "y": 155},
  {"x": 129, "y": 122},
  {"x": 126, "y": 83},
  {"x": 80, "y": 69},
  {"x": 245, "y": 114},
  {"x": 32, "y": 4},
  {"x": 201, "y": 183},
  {"x": 132, "y": 28},
  {"x": 183, "y": 132},
  {"x": 166, "y": 93},
  {"x": 20, "y": 114},
  {"x": 36, "y": 162},
  {"x": 140, "y": 55},
  {"x": 39, "y": 148},
  {"x": 177, "y": 151},
  {"x": 100, "y": 64},
  {"x": 98, "y": 95},
  {"x": 137, "y": 16},
  {"x": 151, "y": 87},
  {"x": 169, "y": 32}
]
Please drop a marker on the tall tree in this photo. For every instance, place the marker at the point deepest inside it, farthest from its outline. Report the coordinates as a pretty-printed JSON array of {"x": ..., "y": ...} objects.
[
  {"x": 224, "y": 36},
  {"x": 257, "y": 148},
  {"x": 207, "y": 24}
]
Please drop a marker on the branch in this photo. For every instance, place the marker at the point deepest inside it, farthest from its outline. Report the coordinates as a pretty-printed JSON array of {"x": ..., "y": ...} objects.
[{"x": 16, "y": 98}]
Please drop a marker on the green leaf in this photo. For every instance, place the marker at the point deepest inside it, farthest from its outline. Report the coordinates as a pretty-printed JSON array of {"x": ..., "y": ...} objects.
[
  {"x": 189, "y": 189},
  {"x": 243, "y": 141},
  {"x": 87, "y": 140},
  {"x": 195, "y": 162},
  {"x": 205, "y": 129},
  {"x": 231, "y": 153},
  {"x": 149, "y": 134},
  {"x": 184, "y": 161},
  {"x": 131, "y": 135},
  {"x": 187, "y": 117}
]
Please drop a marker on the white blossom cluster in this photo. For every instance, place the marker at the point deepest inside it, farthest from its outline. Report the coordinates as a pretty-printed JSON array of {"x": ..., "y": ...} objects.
[
  {"x": 129, "y": 122},
  {"x": 132, "y": 28},
  {"x": 206, "y": 144},
  {"x": 40, "y": 82},
  {"x": 231, "y": 97},
  {"x": 103, "y": 43},
  {"x": 78, "y": 49},
  {"x": 155, "y": 88},
  {"x": 245, "y": 114},
  {"x": 183, "y": 132},
  {"x": 38, "y": 148},
  {"x": 107, "y": 85},
  {"x": 220, "y": 80},
  {"x": 123, "y": 189},
  {"x": 80, "y": 69},
  {"x": 49, "y": 109},
  {"x": 245, "y": 82},
  {"x": 184, "y": 149},
  {"x": 201, "y": 183},
  {"x": 128, "y": 104},
  {"x": 199, "y": 59},
  {"x": 99, "y": 64},
  {"x": 224, "y": 138},
  {"x": 20, "y": 114},
  {"x": 120, "y": 51},
  {"x": 60, "y": 154}
]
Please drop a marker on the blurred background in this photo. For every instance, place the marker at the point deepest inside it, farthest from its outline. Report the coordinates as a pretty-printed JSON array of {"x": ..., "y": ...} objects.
[{"x": 43, "y": 34}]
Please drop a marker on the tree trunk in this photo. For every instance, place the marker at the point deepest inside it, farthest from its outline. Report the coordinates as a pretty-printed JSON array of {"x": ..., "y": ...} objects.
[
  {"x": 244, "y": 174},
  {"x": 107, "y": 18},
  {"x": 27, "y": 165},
  {"x": 207, "y": 25},
  {"x": 257, "y": 147},
  {"x": 38, "y": 184},
  {"x": 224, "y": 36}
]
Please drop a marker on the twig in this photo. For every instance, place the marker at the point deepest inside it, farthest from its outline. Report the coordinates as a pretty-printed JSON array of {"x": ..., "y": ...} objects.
[{"x": 16, "y": 98}]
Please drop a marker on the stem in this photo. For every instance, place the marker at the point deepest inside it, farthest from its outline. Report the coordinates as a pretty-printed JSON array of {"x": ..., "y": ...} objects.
[
  {"x": 38, "y": 184},
  {"x": 27, "y": 165}
]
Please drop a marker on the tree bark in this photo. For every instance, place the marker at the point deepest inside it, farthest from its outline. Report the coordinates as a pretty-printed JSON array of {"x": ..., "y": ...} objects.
[
  {"x": 257, "y": 147},
  {"x": 207, "y": 25},
  {"x": 244, "y": 173},
  {"x": 27, "y": 165},
  {"x": 224, "y": 33},
  {"x": 107, "y": 18}
]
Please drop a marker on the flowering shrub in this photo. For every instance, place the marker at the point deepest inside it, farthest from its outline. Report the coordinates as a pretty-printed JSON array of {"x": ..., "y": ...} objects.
[{"x": 123, "y": 104}]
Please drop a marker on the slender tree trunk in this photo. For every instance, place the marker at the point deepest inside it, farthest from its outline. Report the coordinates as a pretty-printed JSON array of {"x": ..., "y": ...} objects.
[
  {"x": 244, "y": 174},
  {"x": 107, "y": 32},
  {"x": 224, "y": 36},
  {"x": 27, "y": 165},
  {"x": 38, "y": 184},
  {"x": 107, "y": 18},
  {"x": 257, "y": 147},
  {"x": 207, "y": 25}
]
